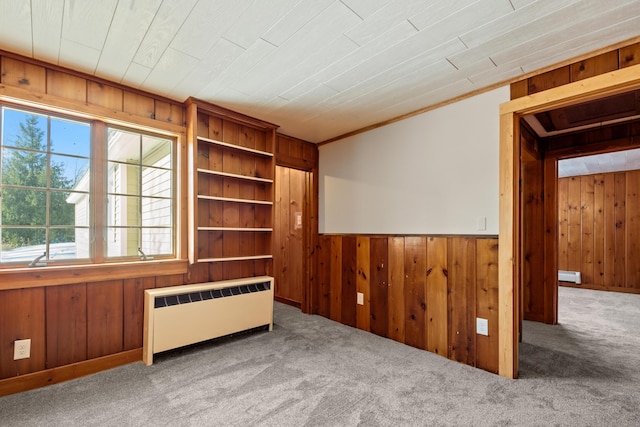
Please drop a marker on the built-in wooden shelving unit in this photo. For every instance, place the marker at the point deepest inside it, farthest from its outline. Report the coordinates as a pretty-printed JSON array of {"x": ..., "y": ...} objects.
[{"x": 232, "y": 168}]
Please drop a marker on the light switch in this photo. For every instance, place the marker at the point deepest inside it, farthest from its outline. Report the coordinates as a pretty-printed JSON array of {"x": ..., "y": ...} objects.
[
  {"x": 481, "y": 223},
  {"x": 482, "y": 326},
  {"x": 360, "y": 298}
]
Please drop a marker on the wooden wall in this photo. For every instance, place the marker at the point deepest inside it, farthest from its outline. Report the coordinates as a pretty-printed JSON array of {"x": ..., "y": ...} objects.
[
  {"x": 36, "y": 81},
  {"x": 419, "y": 290},
  {"x": 596, "y": 65},
  {"x": 599, "y": 229}
]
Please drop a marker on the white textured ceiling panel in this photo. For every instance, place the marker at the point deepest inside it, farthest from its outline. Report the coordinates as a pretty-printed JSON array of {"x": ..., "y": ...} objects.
[{"x": 318, "y": 68}]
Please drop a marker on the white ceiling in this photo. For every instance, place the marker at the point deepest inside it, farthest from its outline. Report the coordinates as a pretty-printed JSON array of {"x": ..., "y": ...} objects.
[
  {"x": 600, "y": 163},
  {"x": 318, "y": 68}
]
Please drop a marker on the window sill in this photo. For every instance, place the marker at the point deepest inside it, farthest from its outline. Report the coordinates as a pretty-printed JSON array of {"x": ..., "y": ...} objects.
[{"x": 17, "y": 278}]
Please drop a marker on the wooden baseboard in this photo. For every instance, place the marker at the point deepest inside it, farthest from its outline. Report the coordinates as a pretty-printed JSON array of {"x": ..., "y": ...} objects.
[
  {"x": 68, "y": 372},
  {"x": 287, "y": 301}
]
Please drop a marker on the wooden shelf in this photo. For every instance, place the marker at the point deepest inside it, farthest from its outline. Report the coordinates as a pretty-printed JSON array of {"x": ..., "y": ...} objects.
[
  {"x": 234, "y": 229},
  {"x": 230, "y": 199},
  {"x": 235, "y": 175},
  {"x": 235, "y": 147},
  {"x": 230, "y": 184},
  {"x": 236, "y": 258}
]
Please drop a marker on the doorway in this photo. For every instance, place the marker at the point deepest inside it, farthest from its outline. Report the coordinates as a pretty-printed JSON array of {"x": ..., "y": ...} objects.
[
  {"x": 290, "y": 223},
  {"x": 511, "y": 262}
]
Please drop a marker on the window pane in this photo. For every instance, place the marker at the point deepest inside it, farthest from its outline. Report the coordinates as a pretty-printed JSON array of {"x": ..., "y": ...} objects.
[
  {"x": 79, "y": 203},
  {"x": 67, "y": 172},
  {"x": 24, "y": 168},
  {"x": 24, "y": 129},
  {"x": 156, "y": 182},
  {"x": 69, "y": 137},
  {"x": 156, "y": 212},
  {"x": 69, "y": 209},
  {"x": 124, "y": 179},
  {"x": 124, "y": 211},
  {"x": 156, "y": 151},
  {"x": 123, "y": 146},
  {"x": 122, "y": 241},
  {"x": 23, "y": 207},
  {"x": 22, "y": 244},
  {"x": 157, "y": 241}
]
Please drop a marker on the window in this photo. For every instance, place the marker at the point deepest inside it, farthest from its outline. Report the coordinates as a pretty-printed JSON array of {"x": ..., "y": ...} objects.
[{"x": 51, "y": 205}]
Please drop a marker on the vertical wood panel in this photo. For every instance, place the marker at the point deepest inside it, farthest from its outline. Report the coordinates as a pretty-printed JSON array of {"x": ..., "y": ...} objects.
[
  {"x": 462, "y": 299},
  {"x": 574, "y": 234},
  {"x": 104, "y": 318},
  {"x": 633, "y": 230},
  {"x": 22, "y": 317},
  {"x": 23, "y": 75},
  {"x": 66, "y": 316},
  {"x": 133, "y": 309},
  {"x": 594, "y": 66},
  {"x": 487, "y": 303},
  {"x": 620, "y": 192},
  {"x": 609, "y": 229},
  {"x": 396, "y": 289},
  {"x": 323, "y": 274},
  {"x": 563, "y": 224},
  {"x": 415, "y": 276},
  {"x": 349, "y": 277},
  {"x": 586, "y": 228},
  {"x": 437, "y": 314},
  {"x": 335, "y": 307},
  {"x": 363, "y": 284},
  {"x": 104, "y": 95},
  {"x": 598, "y": 230},
  {"x": 533, "y": 239},
  {"x": 379, "y": 288},
  {"x": 66, "y": 86},
  {"x": 138, "y": 105}
]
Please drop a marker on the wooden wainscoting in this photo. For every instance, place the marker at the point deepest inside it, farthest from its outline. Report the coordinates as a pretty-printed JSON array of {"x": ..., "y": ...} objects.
[
  {"x": 419, "y": 290},
  {"x": 599, "y": 229},
  {"x": 71, "y": 325}
]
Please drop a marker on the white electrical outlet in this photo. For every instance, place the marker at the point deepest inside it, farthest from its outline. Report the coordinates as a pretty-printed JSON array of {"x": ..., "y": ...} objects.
[
  {"x": 482, "y": 326},
  {"x": 360, "y": 298},
  {"x": 21, "y": 349}
]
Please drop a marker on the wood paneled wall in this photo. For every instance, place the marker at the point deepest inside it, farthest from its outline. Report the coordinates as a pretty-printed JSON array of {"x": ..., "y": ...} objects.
[
  {"x": 596, "y": 65},
  {"x": 419, "y": 290},
  {"x": 56, "y": 84},
  {"x": 73, "y": 323},
  {"x": 599, "y": 229}
]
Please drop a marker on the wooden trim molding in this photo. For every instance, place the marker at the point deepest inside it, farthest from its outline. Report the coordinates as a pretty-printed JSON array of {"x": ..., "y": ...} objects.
[
  {"x": 66, "y": 275},
  {"x": 68, "y": 372}
]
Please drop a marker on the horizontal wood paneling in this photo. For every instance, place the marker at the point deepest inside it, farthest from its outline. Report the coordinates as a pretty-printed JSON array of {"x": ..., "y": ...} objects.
[
  {"x": 596, "y": 65},
  {"x": 37, "y": 77},
  {"x": 423, "y": 291},
  {"x": 599, "y": 227}
]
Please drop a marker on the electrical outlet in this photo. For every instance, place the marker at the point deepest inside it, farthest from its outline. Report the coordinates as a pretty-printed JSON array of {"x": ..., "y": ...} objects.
[
  {"x": 22, "y": 349},
  {"x": 482, "y": 326},
  {"x": 360, "y": 298}
]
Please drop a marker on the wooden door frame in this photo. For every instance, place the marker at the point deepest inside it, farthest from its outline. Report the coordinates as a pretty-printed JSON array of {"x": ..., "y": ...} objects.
[{"x": 509, "y": 265}]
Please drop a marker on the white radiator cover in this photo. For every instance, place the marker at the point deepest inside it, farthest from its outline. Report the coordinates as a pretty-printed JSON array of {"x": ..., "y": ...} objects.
[
  {"x": 569, "y": 276},
  {"x": 172, "y": 326}
]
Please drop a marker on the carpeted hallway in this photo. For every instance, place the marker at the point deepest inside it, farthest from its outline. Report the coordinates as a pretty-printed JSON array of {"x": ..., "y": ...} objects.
[{"x": 312, "y": 371}]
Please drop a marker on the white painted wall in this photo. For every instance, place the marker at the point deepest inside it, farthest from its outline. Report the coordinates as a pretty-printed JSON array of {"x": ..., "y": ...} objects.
[{"x": 435, "y": 173}]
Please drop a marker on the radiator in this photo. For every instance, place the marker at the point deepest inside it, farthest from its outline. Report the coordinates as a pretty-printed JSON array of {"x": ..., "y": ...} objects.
[
  {"x": 181, "y": 315},
  {"x": 569, "y": 276}
]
